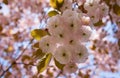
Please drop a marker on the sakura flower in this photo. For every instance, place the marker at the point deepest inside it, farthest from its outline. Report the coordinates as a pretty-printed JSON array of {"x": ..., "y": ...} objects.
[
  {"x": 53, "y": 23},
  {"x": 61, "y": 34},
  {"x": 83, "y": 33},
  {"x": 70, "y": 41},
  {"x": 103, "y": 11},
  {"x": 62, "y": 54},
  {"x": 118, "y": 2},
  {"x": 47, "y": 44},
  {"x": 92, "y": 6},
  {"x": 66, "y": 5},
  {"x": 69, "y": 12},
  {"x": 70, "y": 68},
  {"x": 94, "y": 18},
  {"x": 72, "y": 22},
  {"x": 80, "y": 53}
]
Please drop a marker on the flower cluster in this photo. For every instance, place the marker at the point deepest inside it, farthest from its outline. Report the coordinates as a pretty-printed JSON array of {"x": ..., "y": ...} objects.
[
  {"x": 67, "y": 33},
  {"x": 100, "y": 10}
]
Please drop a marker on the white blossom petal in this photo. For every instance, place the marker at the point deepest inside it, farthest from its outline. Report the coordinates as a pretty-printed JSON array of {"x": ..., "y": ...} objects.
[
  {"x": 70, "y": 68},
  {"x": 62, "y": 55},
  {"x": 80, "y": 53},
  {"x": 83, "y": 33},
  {"x": 47, "y": 44}
]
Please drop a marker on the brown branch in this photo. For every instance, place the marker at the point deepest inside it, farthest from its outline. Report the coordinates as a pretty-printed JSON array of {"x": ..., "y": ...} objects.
[
  {"x": 24, "y": 50},
  {"x": 1, "y": 67},
  {"x": 59, "y": 74},
  {"x": 7, "y": 69},
  {"x": 14, "y": 62},
  {"x": 111, "y": 19},
  {"x": 26, "y": 64}
]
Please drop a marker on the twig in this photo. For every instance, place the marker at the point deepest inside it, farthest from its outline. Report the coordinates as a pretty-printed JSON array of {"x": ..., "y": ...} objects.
[
  {"x": 58, "y": 74},
  {"x": 7, "y": 69},
  {"x": 24, "y": 50},
  {"x": 26, "y": 64},
  {"x": 1, "y": 67},
  {"x": 111, "y": 19},
  {"x": 16, "y": 59}
]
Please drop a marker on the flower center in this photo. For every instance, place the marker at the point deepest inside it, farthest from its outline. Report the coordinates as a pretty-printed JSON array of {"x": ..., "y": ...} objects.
[
  {"x": 55, "y": 26},
  {"x": 71, "y": 41},
  {"x": 84, "y": 34},
  {"x": 61, "y": 35},
  {"x": 72, "y": 25},
  {"x": 47, "y": 44},
  {"x": 63, "y": 54},
  {"x": 80, "y": 54},
  {"x": 71, "y": 66}
]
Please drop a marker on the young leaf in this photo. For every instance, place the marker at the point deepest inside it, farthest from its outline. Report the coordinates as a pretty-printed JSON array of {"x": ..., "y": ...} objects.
[
  {"x": 42, "y": 65},
  {"x": 53, "y": 3},
  {"x": 5, "y": 2},
  {"x": 38, "y": 54},
  {"x": 25, "y": 57},
  {"x": 52, "y": 13},
  {"x": 107, "y": 2},
  {"x": 60, "y": 3},
  {"x": 59, "y": 65},
  {"x": 9, "y": 49},
  {"x": 56, "y": 3},
  {"x": 116, "y": 9},
  {"x": 1, "y": 28},
  {"x": 8, "y": 74},
  {"x": 35, "y": 45},
  {"x": 119, "y": 42},
  {"x": 99, "y": 23},
  {"x": 38, "y": 33}
]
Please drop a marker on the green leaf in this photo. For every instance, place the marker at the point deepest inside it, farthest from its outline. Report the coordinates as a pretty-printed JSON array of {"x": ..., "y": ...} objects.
[
  {"x": 38, "y": 33},
  {"x": 35, "y": 45},
  {"x": 119, "y": 42},
  {"x": 52, "y": 13},
  {"x": 116, "y": 9},
  {"x": 16, "y": 36},
  {"x": 25, "y": 57},
  {"x": 42, "y": 65},
  {"x": 9, "y": 49},
  {"x": 53, "y": 3},
  {"x": 107, "y": 2},
  {"x": 5, "y": 2},
  {"x": 60, "y": 3},
  {"x": 1, "y": 28},
  {"x": 59, "y": 65},
  {"x": 8, "y": 74},
  {"x": 38, "y": 54},
  {"x": 99, "y": 23},
  {"x": 56, "y": 3}
]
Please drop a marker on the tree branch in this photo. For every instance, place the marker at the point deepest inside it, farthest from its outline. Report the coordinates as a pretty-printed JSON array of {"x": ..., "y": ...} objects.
[
  {"x": 7, "y": 69},
  {"x": 26, "y": 64},
  {"x": 24, "y": 50},
  {"x": 16, "y": 59},
  {"x": 59, "y": 74}
]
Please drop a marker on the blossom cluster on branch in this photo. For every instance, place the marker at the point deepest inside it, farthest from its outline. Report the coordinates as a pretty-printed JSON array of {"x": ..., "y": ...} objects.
[{"x": 67, "y": 32}]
